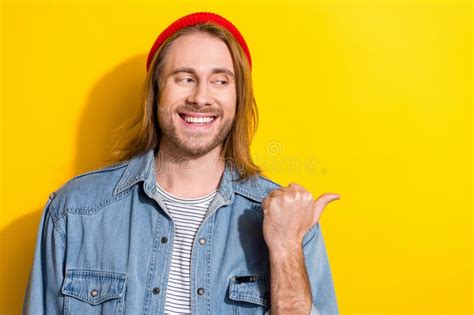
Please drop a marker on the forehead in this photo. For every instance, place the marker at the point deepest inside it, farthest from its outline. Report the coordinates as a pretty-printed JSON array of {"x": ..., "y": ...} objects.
[{"x": 200, "y": 51}]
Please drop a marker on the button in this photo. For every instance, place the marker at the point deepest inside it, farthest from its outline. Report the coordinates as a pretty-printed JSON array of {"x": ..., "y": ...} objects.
[
  {"x": 200, "y": 291},
  {"x": 164, "y": 239},
  {"x": 94, "y": 293},
  {"x": 202, "y": 241},
  {"x": 156, "y": 290}
]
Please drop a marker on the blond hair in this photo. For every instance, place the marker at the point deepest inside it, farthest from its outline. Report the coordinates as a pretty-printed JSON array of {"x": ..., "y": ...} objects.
[{"x": 143, "y": 133}]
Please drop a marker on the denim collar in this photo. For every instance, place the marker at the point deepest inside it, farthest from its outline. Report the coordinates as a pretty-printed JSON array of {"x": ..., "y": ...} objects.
[{"x": 141, "y": 168}]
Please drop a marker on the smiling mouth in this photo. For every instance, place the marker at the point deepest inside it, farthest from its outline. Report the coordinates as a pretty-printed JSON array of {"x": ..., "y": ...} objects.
[{"x": 197, "y": 120}]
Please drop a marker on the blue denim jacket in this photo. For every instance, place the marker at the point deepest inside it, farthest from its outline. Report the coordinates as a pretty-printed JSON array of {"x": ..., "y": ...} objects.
[{"x": 105, "y": 242}]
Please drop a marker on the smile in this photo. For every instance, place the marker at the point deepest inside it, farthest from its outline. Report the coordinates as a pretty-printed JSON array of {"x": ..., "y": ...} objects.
[{"x": 197, "y": 120}]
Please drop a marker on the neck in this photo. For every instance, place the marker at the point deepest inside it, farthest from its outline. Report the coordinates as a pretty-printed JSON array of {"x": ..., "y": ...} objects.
[{"x": 188, "y": 177}]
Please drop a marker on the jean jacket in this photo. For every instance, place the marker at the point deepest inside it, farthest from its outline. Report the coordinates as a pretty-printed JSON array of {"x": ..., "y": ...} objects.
[{"x": 105, "y": 242}]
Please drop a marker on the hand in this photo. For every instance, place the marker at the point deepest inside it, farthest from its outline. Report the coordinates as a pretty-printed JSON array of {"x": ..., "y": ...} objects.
[{"x": 289, "y": 212}]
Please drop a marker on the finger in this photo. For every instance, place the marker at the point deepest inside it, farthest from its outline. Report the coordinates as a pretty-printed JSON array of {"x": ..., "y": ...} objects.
[
  {"x": 326, "y": 198},
  {"x": 285, "y": 188},
  {"x": 296, "y": 186},
  {"x": 322, "y": 201},
  {"x": 291, "y": 188},
  {"x": 276, "y": 192}
]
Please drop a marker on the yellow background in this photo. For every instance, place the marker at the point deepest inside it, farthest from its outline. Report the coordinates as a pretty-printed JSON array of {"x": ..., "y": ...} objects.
[{"x": 368, "y": 99}]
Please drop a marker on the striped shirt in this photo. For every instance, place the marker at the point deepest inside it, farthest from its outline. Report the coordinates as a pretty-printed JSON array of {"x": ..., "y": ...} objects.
[{"x": 187, "y": 215}]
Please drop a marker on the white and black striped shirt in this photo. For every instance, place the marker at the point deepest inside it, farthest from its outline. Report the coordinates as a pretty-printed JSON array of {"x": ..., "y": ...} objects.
[{"x": 187, "y": 215}]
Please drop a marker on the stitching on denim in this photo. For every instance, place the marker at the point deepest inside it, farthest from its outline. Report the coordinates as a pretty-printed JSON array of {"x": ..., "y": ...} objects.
[
  {"x": 84, "y": 273},
  {"x": 132, "y": 181},
  {"x": 249, "y": 298},
  {"x": 120, "y": 186},
  {"x": 94, "y": 209},
  {"x": 121, "y": 301},
  {"x": 93, "y": 301},
  {"x": 151, "y": 264},
  {"x": 87, "y": 274},
  {"x": 66, "y": 305},
  {"x": 59, "y": 215},
  {"x": 209, "y": 260},
  {"x": 50, "y": 213},
  {"x": 269, "y": 180},
  {"x": 234, "y": 290},
  {"x": 100, "y": 170},
  {"x": 61, "y": 233},
  {"x": 252, "y": 298},
  {"x": 246, "y": 193},
  {"x": 103, "y": 169},
  {"x": 262, "y": 191}
]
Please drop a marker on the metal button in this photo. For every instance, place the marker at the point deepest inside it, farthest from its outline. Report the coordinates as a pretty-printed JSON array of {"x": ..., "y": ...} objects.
[
  {"x": 164, "y": 239},
  {"x": 202, "y": 241},
  {"x": 94, "y": 293},
  {"x": 156, "y": 290},
  {"x": 200, "y": 291}
]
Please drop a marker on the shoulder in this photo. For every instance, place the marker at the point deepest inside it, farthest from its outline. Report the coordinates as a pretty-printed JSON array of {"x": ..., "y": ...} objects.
[
  {"x": 87, "y": 192},
  {"x": 267, "y": 184},
  {"x": 256, "y": 188}
]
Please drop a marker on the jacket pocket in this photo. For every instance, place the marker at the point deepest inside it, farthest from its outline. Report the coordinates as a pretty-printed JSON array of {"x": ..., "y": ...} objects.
[
  {"x": 250, "y": 294},
  {"x": 93, "y": 292}
]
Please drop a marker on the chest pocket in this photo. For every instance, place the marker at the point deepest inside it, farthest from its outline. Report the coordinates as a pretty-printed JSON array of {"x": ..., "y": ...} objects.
[
  {"x": 93, "y": 292},
  {"x": 250, "y": 294}
]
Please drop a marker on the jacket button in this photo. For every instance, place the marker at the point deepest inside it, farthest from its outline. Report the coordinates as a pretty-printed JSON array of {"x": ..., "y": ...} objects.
[
  {"x": 202, "y": 241},
  {"x": 200, "y": 291},
  {"x": 94, "y": 293},
  {"x": 156, "y": 290},
  {"x": 164, "y": 239}
]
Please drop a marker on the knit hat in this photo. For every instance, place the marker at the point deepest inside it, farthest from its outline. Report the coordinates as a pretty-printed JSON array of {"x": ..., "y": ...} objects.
[{"x": 193, "y": 19}]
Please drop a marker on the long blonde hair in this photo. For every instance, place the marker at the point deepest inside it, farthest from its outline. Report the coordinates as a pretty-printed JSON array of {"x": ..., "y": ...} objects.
[{"x": 142, "y": 132}]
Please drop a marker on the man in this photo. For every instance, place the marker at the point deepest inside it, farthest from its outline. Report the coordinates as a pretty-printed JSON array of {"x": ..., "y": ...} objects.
[{"x": 185, "y": 222}]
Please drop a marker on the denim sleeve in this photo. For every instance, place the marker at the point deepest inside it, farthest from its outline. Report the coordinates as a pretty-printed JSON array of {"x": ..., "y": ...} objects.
[
  {"x": 43, "y": 293},
  {"x": 319, "y": 273}
]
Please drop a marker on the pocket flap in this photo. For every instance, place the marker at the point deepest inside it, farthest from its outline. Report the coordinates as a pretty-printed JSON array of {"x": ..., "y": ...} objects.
[
  {"x": 251, "y": 288},
  {"x": 93, "y": 287}
]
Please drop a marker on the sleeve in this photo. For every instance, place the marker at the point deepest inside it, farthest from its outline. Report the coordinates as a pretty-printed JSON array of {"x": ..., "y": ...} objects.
[
  {"x": 43, "y": 293},
  {"x": 319, "y": 273}
]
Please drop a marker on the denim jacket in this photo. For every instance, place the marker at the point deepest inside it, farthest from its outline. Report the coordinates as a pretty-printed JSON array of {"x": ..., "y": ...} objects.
[{"x": 105, "y": 242}]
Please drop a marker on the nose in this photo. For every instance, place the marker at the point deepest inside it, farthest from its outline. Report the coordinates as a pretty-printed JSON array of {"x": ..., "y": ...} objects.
[{"x": 200, "y": 95}]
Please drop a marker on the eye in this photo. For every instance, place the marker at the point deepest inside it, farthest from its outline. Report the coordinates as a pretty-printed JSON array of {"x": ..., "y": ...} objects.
[
  {"x": 185, "y": 80},
  {"x": 221, "y": 82}
]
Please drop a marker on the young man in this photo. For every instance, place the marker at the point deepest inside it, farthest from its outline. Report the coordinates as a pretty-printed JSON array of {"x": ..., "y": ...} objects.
[{"x": 185, "y": 223}]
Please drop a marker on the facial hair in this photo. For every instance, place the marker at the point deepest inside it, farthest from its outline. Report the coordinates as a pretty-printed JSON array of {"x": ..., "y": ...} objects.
[{"x": 190, "y": 145}]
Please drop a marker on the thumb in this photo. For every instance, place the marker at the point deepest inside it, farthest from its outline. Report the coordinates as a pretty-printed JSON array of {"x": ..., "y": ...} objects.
[{"x": 320, "y": 203}]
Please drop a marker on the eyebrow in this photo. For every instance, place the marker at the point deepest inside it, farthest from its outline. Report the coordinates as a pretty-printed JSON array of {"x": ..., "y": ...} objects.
[{"x": 192, "y": 71}]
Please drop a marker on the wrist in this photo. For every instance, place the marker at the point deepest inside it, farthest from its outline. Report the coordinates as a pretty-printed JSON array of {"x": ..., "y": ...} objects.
[{"x": 283, "y": 252}]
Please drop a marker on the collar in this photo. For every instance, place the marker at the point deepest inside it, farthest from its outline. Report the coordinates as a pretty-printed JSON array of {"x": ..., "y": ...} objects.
[{"x": 141, "y": 168}]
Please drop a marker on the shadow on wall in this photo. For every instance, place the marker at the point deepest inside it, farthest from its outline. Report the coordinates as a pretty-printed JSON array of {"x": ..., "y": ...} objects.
[{"x": 114, "y": 99}]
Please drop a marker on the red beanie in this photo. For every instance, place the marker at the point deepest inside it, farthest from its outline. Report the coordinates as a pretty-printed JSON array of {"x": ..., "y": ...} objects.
[{"x": 193, "y": 19}]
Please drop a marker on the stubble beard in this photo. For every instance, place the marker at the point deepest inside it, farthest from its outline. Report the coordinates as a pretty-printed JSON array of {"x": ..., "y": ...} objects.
[{"x": 188, "y": 146}]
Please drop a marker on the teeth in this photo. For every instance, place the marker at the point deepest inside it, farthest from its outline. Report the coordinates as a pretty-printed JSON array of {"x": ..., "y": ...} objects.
[{"x": 199, "y": 120}]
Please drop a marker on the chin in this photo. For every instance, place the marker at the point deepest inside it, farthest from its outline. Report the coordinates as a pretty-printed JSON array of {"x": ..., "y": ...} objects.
[{"x": 204, "y": 149}]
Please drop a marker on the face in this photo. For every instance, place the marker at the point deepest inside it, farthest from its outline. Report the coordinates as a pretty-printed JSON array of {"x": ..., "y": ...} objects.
[{"x": 198, "y": 98}]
